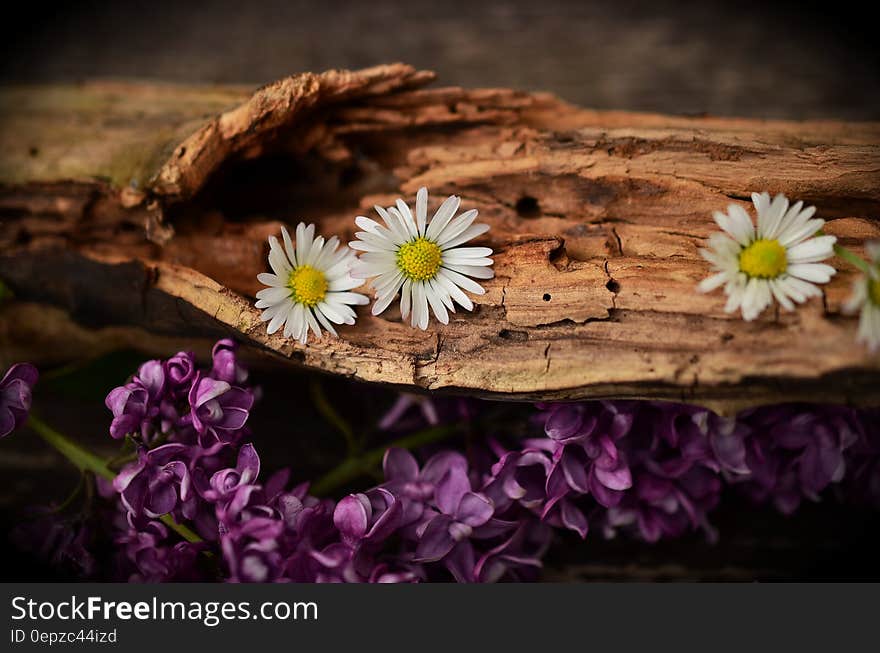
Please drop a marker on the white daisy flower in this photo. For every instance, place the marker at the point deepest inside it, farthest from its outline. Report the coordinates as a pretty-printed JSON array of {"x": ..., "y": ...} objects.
[
  {"x": 309, "y": 285},
  {"x": 777, "y": 260},
  {"x": 866, "y": 299},
  {"x": 422, "y": 259}
]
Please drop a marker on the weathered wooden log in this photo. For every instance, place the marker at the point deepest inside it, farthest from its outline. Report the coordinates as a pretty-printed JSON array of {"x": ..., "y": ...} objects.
[{"x": 145, "y": 208}]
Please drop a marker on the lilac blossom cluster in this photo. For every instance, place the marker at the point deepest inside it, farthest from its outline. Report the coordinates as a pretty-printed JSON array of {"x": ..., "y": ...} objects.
[
  {"x": 193, "y": 464},
  {"x": 646, "y": 469}
]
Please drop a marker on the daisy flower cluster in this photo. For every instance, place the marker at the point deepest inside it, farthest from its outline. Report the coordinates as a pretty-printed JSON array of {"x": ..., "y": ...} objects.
[
  {"x": 781, "y": 258},
  {"x": 411, "y": 256}
]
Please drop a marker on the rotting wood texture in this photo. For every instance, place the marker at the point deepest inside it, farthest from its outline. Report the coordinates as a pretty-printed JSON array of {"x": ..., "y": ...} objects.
[{"x": 144, "y": 209}]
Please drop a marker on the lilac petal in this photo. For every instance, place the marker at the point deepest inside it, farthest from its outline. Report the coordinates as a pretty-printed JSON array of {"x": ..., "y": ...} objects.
[
  {"x": 205, "y": 388},
  {"x": 573, "y": 518},
  {"x": 7, "y": 421},
  {"x": 604, "y": 495},
  {"x": 436, "y": 541},
  {"x": 232, "y": 419},
  {"x": 152, "y": 375},
  {"x": 460, "y": 563},
  {"x": 351, "y": 516},
  {"x": 399, "y": 465},
  {"x": 389, "y": 519},
  {"x": 238, "y": 398},
  {"x": 21, "y": 371},
  {"x": 556, "y": 485},
  {"x": 162, "y": 500},
  {"x": 614, "y": 479},
  {"x": 474, "y": 509},
  {"x": 575, "y": 472},
  {"x": 729, "y": 449},
  {"x": 439, "y": 464},
  {"x": 248, "y": 464},
  {"x": 564, "y": 422},
  {"x": 451, "y": 489}
]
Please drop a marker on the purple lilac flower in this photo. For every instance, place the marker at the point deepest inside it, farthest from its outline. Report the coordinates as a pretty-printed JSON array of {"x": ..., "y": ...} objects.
[
  {"x": 677, "y": 454},
  {"x": 16, "y": 389},
  {"x": 218, "y": 410},
  {"x": 461, "y": 515},
  {"x": 795, "y": 452},
  {"x": 586, "y": 460},
  {"x": 416, "y": 487},
  {"x": 157, "y": 483},
  {"x": 225, "y": 363},
  {"x": 180, "y": 371},
  {"x": 153, "y": 558}
]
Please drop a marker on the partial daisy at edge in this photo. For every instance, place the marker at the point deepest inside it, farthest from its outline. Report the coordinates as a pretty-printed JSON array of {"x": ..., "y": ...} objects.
[
  {"x": 422, "y": 259},
  {"x": 865, "y": 300},
  {"x": 779, "y": 258},
  {"x": 309, "y": 288}
]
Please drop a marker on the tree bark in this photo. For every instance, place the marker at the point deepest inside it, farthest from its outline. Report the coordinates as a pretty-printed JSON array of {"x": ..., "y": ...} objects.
[{"x": 144, "y": 209}]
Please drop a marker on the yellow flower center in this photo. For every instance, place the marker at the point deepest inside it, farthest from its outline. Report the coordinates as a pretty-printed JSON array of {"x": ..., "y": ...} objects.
[
  {"x": 764, "y": 259},
  {"x": 874, "y": 291},
  {"x": 419, "y": 259},
  {"x": 308, "y": 285}
]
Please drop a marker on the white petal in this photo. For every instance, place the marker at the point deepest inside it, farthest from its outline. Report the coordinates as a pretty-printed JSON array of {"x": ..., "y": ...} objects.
[
  {"x": 780, "y": 295},
  {"x": 277, "y": 259},
  {"x": 454, "y": 291},
  {"x": 468, "y": 234},
  {"x": 298, "y": 319},
  {"x": 304, "y": 237},
  {"x": 288, "y": 246},
  {"x": 406, "y": 298},
  {"x": 271, "y": 280},
  {"x": 325, "y": 323},
  {"x": 395, "y": 226},
  {"x": 815, "y": 272},
  {"x": 468, "y": 252},
  {"x": 768, "y": 221},
  {"x": 809, "y": 228},
  {"x": 458, "y": 226},
  {"x": 276, "y": 322},
  {"x": 436, "y": 304},
  {"x": 421, "y": 209},
  {"x": 344, "y": 283},
  {"x": 812, "y": 250},
  {"x": 405, "y": 219},
  {"x": 354, "y": 298},
  {"x": 442, "y": 217},
  {"x": 711, "y": 283},
  {"x": 383, "y": 302},
  {"x": 477, "y": 272},
  {"x": 420, "y": 306},
  {"x": 274, "y": 295},
  {"x": 313, "y": 323},
  {"x": 462, "y": 281}
]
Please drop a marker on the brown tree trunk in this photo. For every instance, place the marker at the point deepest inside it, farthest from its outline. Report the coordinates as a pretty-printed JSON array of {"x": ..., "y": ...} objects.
[{"x": 142, "y": 211}]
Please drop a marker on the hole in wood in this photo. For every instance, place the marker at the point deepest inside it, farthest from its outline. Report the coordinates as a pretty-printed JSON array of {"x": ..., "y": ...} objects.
[
  {"x": 547, "y": 297},
  {"x": 613, "y": 286},
  {"x": 527, "y": 207}
]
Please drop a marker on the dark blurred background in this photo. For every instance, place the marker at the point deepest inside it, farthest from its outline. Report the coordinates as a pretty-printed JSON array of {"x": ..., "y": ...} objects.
[
  {"x": 773, "y": 60},
  {"x": 729, "y": 58}
]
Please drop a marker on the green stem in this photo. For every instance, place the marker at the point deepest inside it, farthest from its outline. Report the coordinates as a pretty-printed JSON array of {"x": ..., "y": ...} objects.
[
  {"x": 852, "y": 258},
  {"x": 352, "y": 467},
  {"x": 326, "y": 409},
  {"x": 86, "y": 461}
]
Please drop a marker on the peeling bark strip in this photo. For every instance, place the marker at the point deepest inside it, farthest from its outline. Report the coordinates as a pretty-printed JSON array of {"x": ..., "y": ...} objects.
[{"x": 143, "y": 210}]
